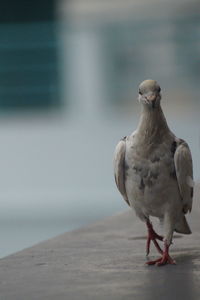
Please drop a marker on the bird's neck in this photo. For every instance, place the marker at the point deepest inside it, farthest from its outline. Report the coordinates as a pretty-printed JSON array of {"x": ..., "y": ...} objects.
[{"x": 152, "y": 125}]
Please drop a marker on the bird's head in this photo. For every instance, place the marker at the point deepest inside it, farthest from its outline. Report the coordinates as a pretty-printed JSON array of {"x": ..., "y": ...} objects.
[{"x": 149, "y": 93}]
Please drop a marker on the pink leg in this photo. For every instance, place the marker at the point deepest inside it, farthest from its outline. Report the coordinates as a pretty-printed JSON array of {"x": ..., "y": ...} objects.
[
  {"x": 164, "y": 259},
  {"x": 153, "y": 236}
]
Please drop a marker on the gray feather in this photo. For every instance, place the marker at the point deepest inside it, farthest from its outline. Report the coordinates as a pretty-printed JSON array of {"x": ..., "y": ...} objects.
[
  {"x": 119, "y": 168},
  {"x": 184, "y": 174}
]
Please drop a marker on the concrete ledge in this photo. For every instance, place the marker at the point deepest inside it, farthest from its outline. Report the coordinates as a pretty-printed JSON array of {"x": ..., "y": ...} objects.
[{"x": 103, "y": 261}]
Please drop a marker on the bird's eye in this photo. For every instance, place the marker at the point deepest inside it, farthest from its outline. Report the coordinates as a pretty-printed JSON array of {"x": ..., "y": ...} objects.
[
  {"x": 159, "y": 89},
  {"x": 140, "y": 92}
]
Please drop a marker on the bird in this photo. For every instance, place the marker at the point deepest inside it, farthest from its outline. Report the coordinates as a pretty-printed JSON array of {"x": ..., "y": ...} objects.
[{"x": 153, "y": 171}]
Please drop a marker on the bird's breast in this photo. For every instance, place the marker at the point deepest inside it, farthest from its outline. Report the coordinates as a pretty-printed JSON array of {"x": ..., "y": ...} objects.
[{"x": 149, "y": 172}]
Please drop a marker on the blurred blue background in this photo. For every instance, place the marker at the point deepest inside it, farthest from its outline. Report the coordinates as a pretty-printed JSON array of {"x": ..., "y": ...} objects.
[{"x": 69, "y": 72}]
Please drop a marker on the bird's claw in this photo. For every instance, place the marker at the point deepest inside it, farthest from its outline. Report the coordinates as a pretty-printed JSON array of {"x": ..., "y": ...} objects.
[{"x": 161, "y": 261}]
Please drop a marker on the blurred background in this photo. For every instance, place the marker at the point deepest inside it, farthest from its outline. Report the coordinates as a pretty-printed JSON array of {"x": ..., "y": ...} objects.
[{"x": 69, "y": 72}]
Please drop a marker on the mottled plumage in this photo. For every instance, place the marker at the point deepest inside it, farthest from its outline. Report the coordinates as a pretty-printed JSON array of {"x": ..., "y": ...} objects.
[{"x": 153, "y": 168}]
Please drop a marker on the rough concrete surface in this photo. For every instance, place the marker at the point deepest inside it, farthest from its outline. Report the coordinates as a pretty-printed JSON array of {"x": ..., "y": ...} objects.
[{"x": 104, "y": 261}]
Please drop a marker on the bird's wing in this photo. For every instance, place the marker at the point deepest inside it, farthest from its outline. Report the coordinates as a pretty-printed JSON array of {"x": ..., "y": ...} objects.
[
  {"x": 184, "y": 174},
  {"x": 119, "y": 168}
]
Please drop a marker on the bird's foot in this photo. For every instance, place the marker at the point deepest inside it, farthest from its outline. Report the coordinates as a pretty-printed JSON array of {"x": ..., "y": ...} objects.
[
  {"x": 161, "y": 261},
  {"x": 165, "y": 259},
  {"x": 153, "y": 236}
]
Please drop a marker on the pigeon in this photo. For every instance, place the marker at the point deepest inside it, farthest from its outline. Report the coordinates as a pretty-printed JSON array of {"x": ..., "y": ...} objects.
[{"x": 154, "y": 173}]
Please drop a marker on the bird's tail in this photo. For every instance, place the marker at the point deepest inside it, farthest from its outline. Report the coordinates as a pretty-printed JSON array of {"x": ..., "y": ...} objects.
[{"x": 182, "y": 226}]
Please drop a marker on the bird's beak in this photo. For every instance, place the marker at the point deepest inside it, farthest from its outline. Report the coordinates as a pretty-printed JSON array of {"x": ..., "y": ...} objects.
[{"x": 151, "y": 97}]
